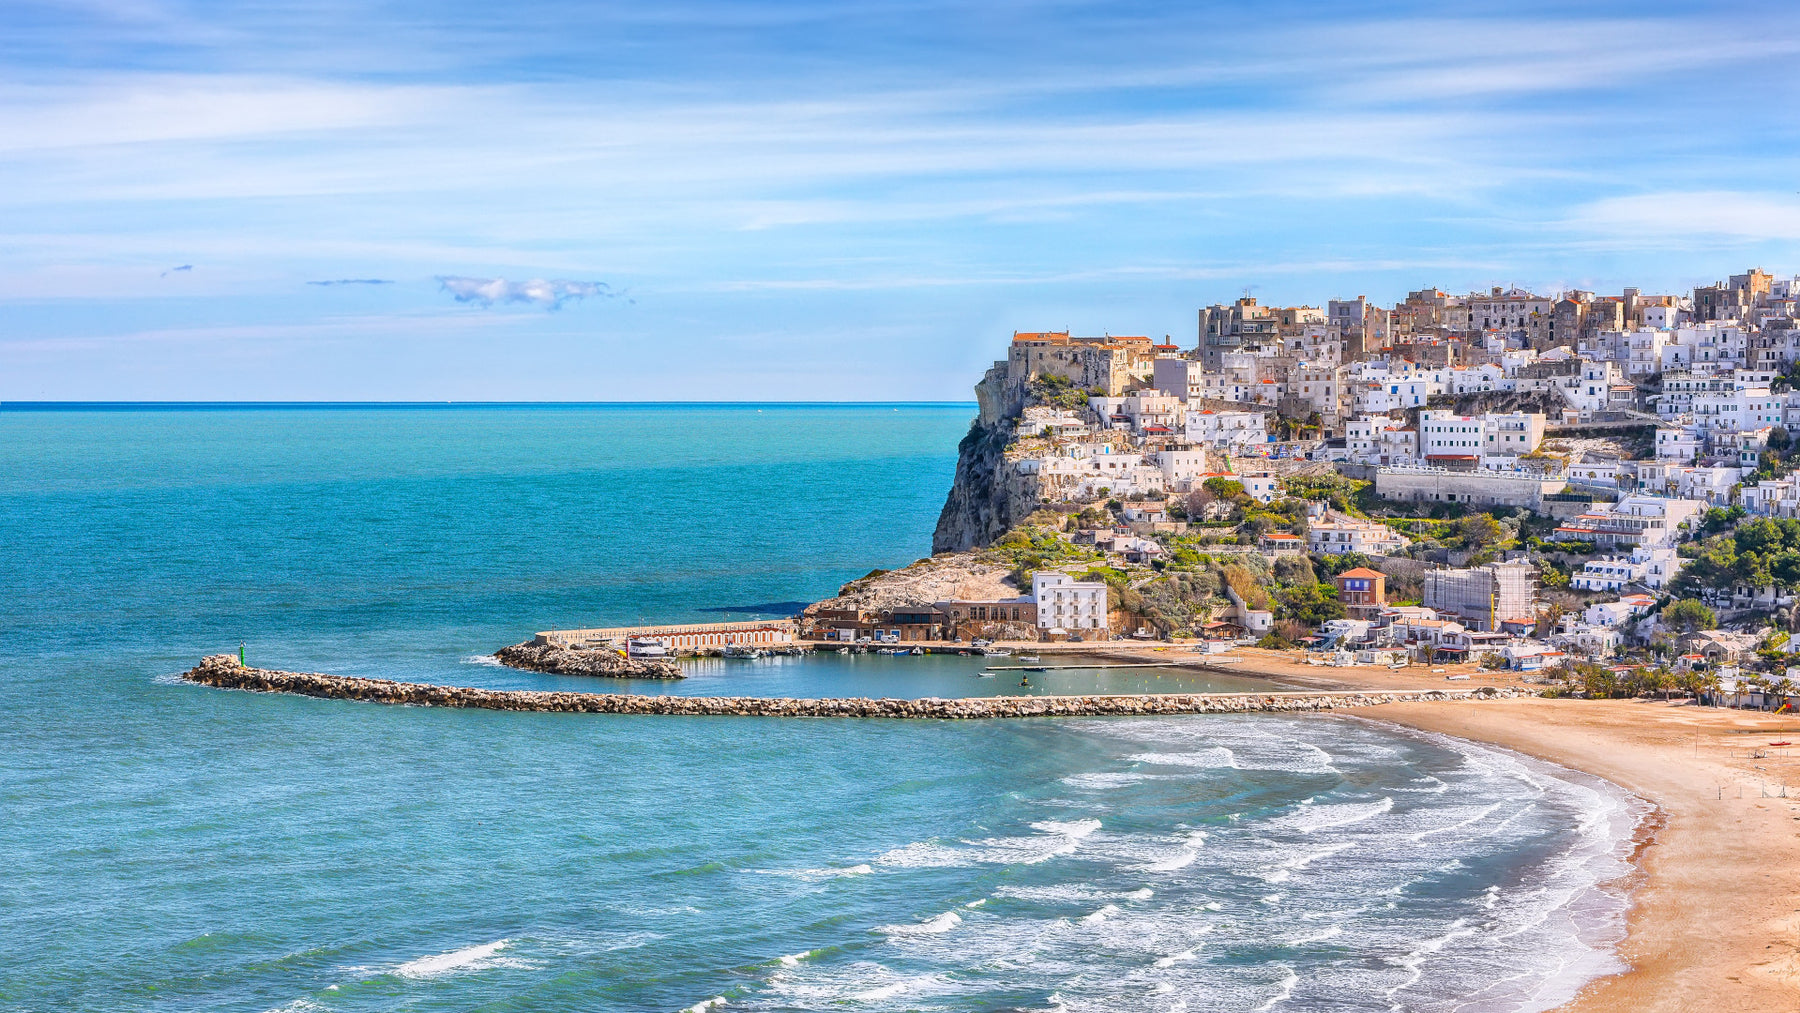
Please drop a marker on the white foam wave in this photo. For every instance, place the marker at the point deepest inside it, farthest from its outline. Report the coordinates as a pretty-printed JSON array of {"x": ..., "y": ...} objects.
[
  {"x": 301, "y": 1006},
  {"x": 1175, "y": 958},
  {"x": 1310, "y": 819},
  {"x": 1211, "y": 759},
  {"x": 1480, "y": 814},
  {"x": 1318, "y": 937},
  {"x": 1283, "y": 991},
  {"x": 469, "y": 958},
  {"x": 483, "y": 659},
  {"x": 1102, "y": 780},
  {"x": 929, "y": 927},
  {"x": 1101, "y": 915},
  {"x": 1179, "y": 860},
  {"x": 1055, "y": 838},
  {"x": 706, "y": 1004},
  {"x": 814, "y": 875}
]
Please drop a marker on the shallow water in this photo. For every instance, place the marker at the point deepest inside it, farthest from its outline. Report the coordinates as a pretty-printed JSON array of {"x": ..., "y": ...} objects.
[{"x": 175, "y": 847}]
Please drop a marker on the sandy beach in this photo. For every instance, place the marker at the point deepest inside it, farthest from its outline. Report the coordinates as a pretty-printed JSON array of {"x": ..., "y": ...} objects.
[{"x": 1715, "y": 923}]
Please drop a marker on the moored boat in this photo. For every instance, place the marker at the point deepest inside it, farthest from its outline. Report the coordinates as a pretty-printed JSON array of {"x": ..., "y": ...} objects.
[{"x": 646, "y": 647}]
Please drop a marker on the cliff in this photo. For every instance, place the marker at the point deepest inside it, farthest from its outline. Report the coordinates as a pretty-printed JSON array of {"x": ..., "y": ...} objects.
[
  {"x": 941, "y": 578},
  {"x": 988, "y": 497}
]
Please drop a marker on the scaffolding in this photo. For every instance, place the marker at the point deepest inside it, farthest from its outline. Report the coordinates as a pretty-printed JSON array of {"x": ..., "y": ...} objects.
[{"x": 1484, "y": 596}]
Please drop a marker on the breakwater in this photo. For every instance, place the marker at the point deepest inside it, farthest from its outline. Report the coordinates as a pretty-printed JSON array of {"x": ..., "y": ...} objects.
[
  {"x": 223, "y": 671},
  {"x": 558, "y": 660}
]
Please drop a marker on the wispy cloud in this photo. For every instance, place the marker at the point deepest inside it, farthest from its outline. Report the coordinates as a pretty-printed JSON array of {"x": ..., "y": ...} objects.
[
  {"x": 176, "y": 270},
  {"x": 352, "y": 281},
  {"x": 549, "y": 293}
]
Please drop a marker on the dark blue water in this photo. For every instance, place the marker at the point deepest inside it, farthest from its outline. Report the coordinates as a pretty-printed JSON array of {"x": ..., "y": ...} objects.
[{"x": 172, "y": 847}]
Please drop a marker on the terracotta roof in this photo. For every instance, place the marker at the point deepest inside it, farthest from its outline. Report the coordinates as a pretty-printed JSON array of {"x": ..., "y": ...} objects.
[{"x": 1362, "y": 571}]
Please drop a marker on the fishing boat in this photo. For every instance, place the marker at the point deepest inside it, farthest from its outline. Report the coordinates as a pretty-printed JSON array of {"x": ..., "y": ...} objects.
[
  {"x": 997, "y": 652},
  {"x": 744, "y": 651},
  {"x": 917, "y": 652}
]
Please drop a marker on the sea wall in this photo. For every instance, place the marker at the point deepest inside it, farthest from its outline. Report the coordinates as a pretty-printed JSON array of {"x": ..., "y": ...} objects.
[{"x": 223, "y": 671}]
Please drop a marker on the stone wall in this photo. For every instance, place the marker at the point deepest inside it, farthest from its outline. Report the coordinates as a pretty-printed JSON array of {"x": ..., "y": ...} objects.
[{"x": 222, "y": 671}]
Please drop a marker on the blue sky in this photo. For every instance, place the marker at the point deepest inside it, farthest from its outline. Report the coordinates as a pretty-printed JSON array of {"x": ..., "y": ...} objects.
[{"x": 838, "y": 201}]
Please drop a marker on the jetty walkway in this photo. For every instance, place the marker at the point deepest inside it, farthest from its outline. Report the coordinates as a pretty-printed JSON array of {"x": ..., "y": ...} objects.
[{"x": 223, "y": 671}]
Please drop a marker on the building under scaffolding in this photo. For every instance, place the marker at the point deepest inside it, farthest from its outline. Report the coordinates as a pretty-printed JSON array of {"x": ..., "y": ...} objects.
[{"x": 1484, "y": 596}]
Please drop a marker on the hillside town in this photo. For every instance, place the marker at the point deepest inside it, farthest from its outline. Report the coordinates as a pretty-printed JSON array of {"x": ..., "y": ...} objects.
[{"x": 1521, "y": 480}]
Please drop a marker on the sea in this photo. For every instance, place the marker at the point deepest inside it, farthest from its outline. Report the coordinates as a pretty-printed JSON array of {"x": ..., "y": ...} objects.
[{"x": 170, "y": 847}]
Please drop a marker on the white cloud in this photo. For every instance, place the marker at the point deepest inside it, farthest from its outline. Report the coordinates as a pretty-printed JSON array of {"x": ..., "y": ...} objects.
[
  {"x": 1729, "y": 214},
  {"x": 551, "y": 293}
]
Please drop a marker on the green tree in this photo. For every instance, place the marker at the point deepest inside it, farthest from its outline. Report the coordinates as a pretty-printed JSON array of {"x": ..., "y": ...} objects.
[
  {"x": 1223, "y": 488},
  {"x": 1480, "y": 531},
  {"x": 1690, "y": 614}
]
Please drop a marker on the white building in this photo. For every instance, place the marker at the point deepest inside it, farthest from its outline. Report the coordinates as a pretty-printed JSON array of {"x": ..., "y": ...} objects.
[
  {"x": 1227, "y": 430},
  {"x": 1336, "y": 533},
  {"x": 1492, "y": 440},
  {"x": 1649, "y": 521},
  {"x": 1614, "y": 613},
  {"x": 1677, "y": 444},
  {"x": 1067, "y": 604}
]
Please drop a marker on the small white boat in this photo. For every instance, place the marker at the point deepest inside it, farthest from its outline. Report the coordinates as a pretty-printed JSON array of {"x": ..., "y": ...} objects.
[
  {"x": 646, "y": 647},
  {"x": 1028, "y": 657},
  {"x": 743, "y": 651},
  {"x": 996, "y": 652},
  {"x": 917, "y": 651}
]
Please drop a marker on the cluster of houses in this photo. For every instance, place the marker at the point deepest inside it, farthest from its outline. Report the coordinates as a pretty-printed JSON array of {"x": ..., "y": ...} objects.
[
  {"x": 1137, "y": 422},
  {"x": 1354, "y": 380}
]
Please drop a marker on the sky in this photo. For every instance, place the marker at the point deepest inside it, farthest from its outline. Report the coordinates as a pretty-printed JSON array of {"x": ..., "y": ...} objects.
[{"x": 682, "y": 200}]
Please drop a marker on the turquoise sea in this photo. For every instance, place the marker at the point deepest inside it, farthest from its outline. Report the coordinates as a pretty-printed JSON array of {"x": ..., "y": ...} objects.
[{"x": 168, "y": 847}]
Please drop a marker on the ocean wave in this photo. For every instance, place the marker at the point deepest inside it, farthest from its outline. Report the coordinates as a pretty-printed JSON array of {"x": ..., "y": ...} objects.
[
  {"x": 1102, "y": 780},
  {"x": 1308, "y": 818},
  {"x": 1283, "y": 871},
  {"x": 469, "y": 958},
  {"x": 814, "y": 875},
  {"x": 1210, "y": 759},
  {"x": 1055, "y": 838},
  {"x": 935, "y": 925},
  {"x": 706, "y": 1004},
  {"x": 1284, "y": 991},
  {"x": 1479, "y": 815},
  {"x": 1101, "y": 915},
  {"x": 482, "y": 659}
]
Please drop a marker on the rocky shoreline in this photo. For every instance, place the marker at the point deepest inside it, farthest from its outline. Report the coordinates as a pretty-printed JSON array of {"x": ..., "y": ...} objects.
[
  {"x": 556, "y": 660},
  {"x": 223, "y": 671}
]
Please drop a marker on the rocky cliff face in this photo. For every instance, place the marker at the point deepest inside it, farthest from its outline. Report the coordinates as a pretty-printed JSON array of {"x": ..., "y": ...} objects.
[{"x": 987, "y": 497}]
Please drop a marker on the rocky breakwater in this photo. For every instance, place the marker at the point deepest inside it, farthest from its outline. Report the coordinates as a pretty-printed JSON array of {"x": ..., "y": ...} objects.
[
  {"x": 224, "y": 672},
  {"x": 605, "y": 664}
]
